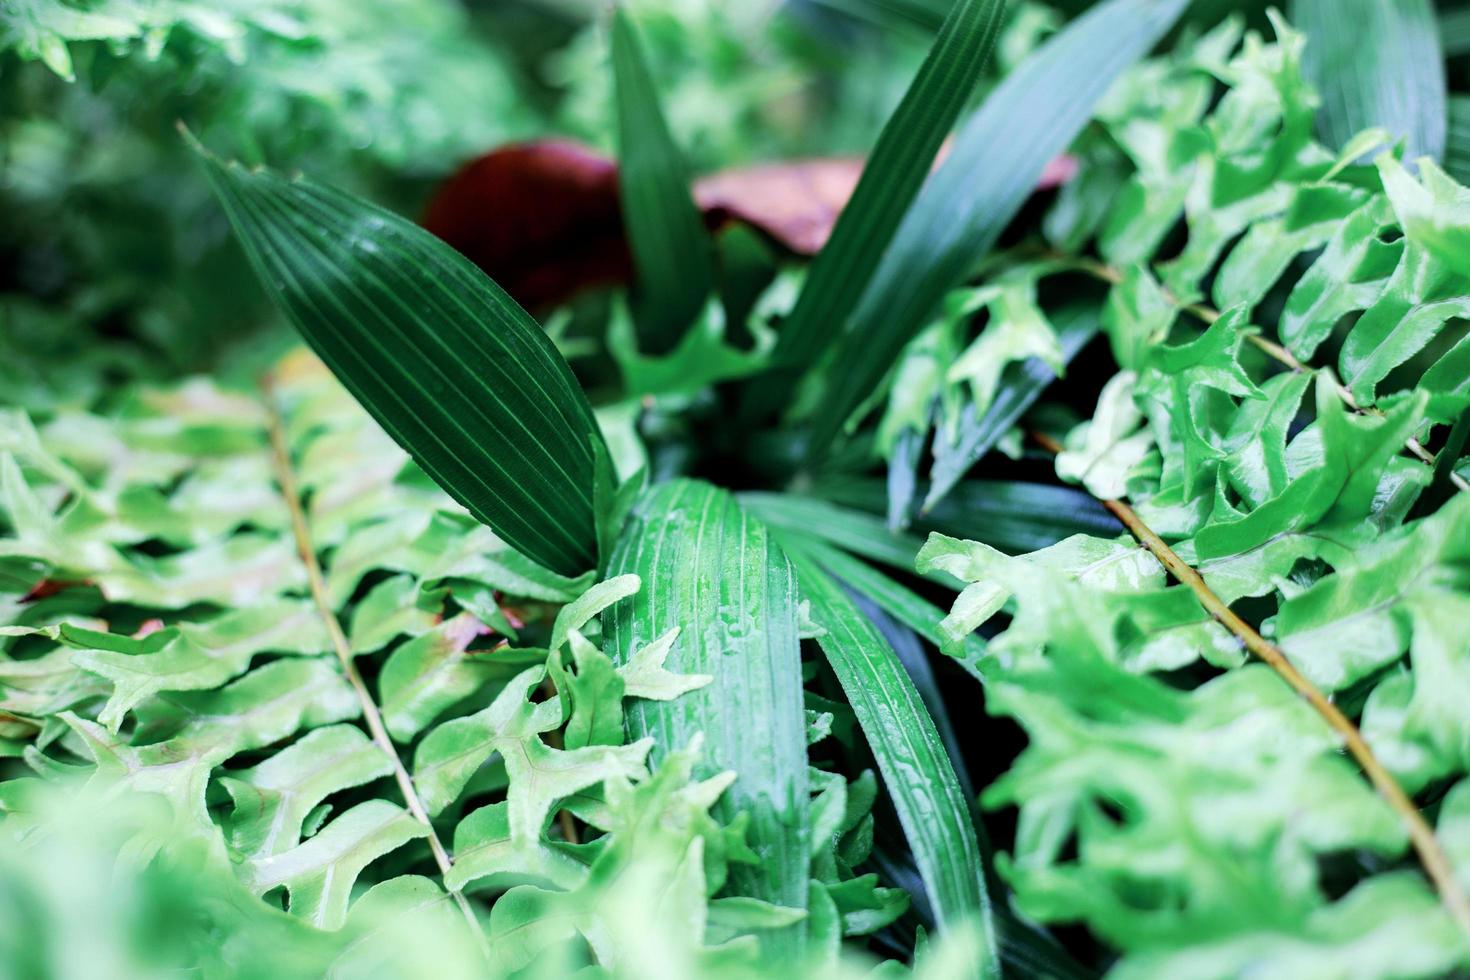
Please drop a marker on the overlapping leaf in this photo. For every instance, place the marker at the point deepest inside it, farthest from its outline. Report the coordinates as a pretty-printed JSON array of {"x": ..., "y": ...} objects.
[
  {"x": 671, "y": 250},
  {"x": 1396, "y": 84},
  {"x": 917, "y": 774},
  {"x": 449, "y": 365},
  {"x": 956, "y": 219},
  {"x": 712, "y": 572},
  {"x": 891, "y": 179}
]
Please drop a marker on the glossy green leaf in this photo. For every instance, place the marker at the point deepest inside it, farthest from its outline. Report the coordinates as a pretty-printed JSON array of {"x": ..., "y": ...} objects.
[
  {"x": 1017, "y": 389},
  {"x": 1029, "y": 118},
  {"x": 197, "y": 731},
  {"x": 1390, "y": 924},
  {"x": 539, "y": 775},
  {"x": 436, "y": 669},
  {"x": 712, "y": 571},
  {"x": 1357, "y": 621},
  {"x": 916, "y": 772},
  {"x": 1446, "y": 460},
  {"x": 485, "y": 851},
  {"x": 455, "y": 371},
  {"x": 1427, "y": 288},
  {"x": 892, "y": 175},
  {"x": 319, "y": 874},
  {"x": 1341, "y": 485},
  {"x": 1396, "y": 83},
  {"x": 192, "y": 657},
  {"x": 272, "y": 799},
  {"x": 671, "y": 250},
  {"x": 861, "y": 533},
  {"x": 1011, "y": 515},
  {"x": 1457, "y": 130},
  {"x": 895, "y": 599}
]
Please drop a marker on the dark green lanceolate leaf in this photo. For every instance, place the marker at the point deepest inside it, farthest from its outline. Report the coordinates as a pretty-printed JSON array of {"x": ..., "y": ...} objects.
[
  {"x": 1457, "y": 134},
  {"x": 891, "y": 178},
  {"x": 1375, "y": 63},
  {"x": 1454, "y": 32},
  {"x": 1020, "y": 385},
  {"x": 898, "y": 601},
  {"x": 447, "y": 363},
  {"x": 916, "y": 772},
  {"x": 906, "y": 645},
  {"x": 1007, "y": 514},
  {"x": 997, "y": 156},
  {"x": 861, "y": 533},
  {"x": 711, "y": 570},
  {"x": 670, "y": 246},
  {"x": 1019, "y": 517},
  {"x": 926, "y": 15}
]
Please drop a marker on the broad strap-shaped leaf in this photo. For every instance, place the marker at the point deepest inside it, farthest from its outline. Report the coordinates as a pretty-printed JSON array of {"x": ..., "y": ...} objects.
[
  {"x": 457, "y": 373},
  {"x": 1457, "y": 133},
  {"x": 1375, "y": 64},
  {"x": 916, "y": 771},
  {"x": 854, "y": 530},
  {"x": 891, "y": 179},
  {"x": 1012, "y": 515},
  {"x": 895, "y": 599},
  {"x": 319, "y": 873},
  {"x": 712, "y": 571},
  {"x": 1017, "y": 517},
  {"x": 990, "y": 171},
  {"x": 671, "y": 249},
  {"x": 906, "y": 645}
]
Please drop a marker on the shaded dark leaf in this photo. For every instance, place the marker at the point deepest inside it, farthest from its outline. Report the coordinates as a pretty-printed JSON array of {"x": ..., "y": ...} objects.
[{"x": 457, "y": 373}]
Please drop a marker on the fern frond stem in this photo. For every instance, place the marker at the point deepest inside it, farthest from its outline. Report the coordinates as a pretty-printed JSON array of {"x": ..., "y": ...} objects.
[
  {"x": 1431, "y": 854},
  {"x": 1112, "y": 274},
  {"x": 286, "y": 479}
]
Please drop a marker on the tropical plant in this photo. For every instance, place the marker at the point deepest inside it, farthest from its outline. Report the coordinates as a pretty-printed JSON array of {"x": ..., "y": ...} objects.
[{"x": 420, "y": 657}]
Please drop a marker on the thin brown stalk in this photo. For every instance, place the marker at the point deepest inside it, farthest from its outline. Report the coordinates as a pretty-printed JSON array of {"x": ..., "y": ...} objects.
[
  {"x": 1431, "y": 855},
  {"x": 286, "y": 478},
  {"x": 1209, "y": 314}
]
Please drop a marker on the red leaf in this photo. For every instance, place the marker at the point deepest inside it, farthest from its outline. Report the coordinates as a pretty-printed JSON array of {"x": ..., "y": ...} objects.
[
  {"x": 542, "y": 218},
  {"x": 795, "y": 203},
  {"x": 48, "y": 587}
]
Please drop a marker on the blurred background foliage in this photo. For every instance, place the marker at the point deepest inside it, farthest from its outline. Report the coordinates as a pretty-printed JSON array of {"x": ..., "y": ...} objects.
[
  {"x": 108, "y": 227},
  {"x": 108, "y": 232}
]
